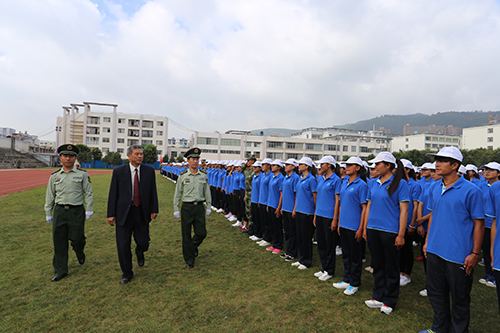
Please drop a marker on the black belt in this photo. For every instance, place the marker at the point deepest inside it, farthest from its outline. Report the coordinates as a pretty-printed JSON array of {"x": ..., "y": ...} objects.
[
  {"x": 193, "y": 202},
  {"x": 69, "y": 206}
]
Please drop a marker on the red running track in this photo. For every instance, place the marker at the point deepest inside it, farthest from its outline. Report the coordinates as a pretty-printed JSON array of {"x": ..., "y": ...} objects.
[{"x": 15, "y": 180}]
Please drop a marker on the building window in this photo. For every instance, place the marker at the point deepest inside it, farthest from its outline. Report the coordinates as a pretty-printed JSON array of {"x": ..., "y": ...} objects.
[
  {"x": 427, "y": 138},
  {"x": 93, "y": 120},
  {"x": 257, "y": 154},
  {"x": 121, "y": 140},
  {"x": 296, "y": 156},
  {"x": 490, "y": 130},
  {"x": 256, "y": 144},
  {"x": 133, "y": 122},
  {"x": 314, "y": 157},
  {"x": 365, "y": 150},
  {"x": 294, "y": 145},
  {"x": 275, "y": 156},
  {"x": 105, "y": 149},
  {"x": 132, "y": 132},
  {"x": 230, "y": 142},
  {"x": 159, "y": 143},
  {"x": 173, "y": 154},
  {"x": 311, "y": 146},
  {"x": 147, "y": 142},
  {"x": 105, "y": 140},
  {"x": 159, "y": 152},
  {"x": 92, "y": 141},
  {"x": 331, "y": 147},
  {"x": 353, "y": 149},
  {"x": 233, "y": 152},
  {"x": 345, "y": 148},
  {"x": 121, "y": 130},
  {"x": 490, "y": 139},
  {"x": 210, "y": 151},
  {"x": 490, "y": 147},
  {"x": 93, "y": 130},
  {"x": 455, "y": 140},
  {"x": 147, "y": 134},
  {"x": 171, "y": 141},
  {"x": 208, "y": 141},
  {"x": 159, "y": 132},
  {"x": 406, "y": 139},
  {"x": 131, "y": 142},
  {"x": 106, "y": 119},
  {"x": 406, "y": 146},
  {"x": 119, "y": 150},
  {"x": 147, "y": 124},
  {"x": 106, "y": 130},
  {"x": 274, "y": 144},
  {"x": 159, "y": 123},
  {"x": 121, "y": 120}
]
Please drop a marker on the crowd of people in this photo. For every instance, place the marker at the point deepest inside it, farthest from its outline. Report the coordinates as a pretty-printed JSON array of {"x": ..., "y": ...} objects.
[{"x": 390, "y": 205}]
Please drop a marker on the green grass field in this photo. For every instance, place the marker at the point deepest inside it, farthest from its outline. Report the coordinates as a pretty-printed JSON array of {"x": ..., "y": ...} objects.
[{"x": 236, "y": 286}]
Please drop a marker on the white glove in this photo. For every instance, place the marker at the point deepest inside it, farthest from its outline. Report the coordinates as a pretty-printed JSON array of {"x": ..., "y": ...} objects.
[
  {"x": 49, "y": 219},
  {"x": 176, "y": 214},
  {"x": 89, "y": 214},
  {"x": 209, "y": 211}
]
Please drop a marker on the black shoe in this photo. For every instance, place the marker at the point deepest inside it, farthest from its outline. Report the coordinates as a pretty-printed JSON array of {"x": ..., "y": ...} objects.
[
  {"x": 190, "y": 265},
  {"x": 248, "y": 230},
  {"x": 125, "y": 280},
  {"x": 81, "y": 260},
  {"x": 195, "y": 253},
  {"x": 140, "y": 258},
  {"x": 58, "y": 277}
]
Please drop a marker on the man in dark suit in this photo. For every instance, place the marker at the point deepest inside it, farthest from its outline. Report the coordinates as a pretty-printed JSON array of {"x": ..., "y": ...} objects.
[{"x": 132, "y": 203}]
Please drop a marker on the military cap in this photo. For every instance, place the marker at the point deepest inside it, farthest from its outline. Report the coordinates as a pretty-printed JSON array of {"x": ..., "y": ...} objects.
[
  {"x": 193, "y": 152},
  {"x": 68, "y": 149},
  {"x": 251, "y": 158}
]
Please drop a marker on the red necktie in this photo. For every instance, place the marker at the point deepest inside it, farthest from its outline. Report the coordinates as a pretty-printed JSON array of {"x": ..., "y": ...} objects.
[{"x": 137, "y": 190}]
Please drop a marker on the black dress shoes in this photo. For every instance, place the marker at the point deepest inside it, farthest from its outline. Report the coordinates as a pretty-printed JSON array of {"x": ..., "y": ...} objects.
[
  {"x": 140, "y": 258},
  {"x": 81, "y": 260},
  {"x": 125, "y": 280},
  {"x": 189, "y": 265},
  {"x": 58, "y": 277}
]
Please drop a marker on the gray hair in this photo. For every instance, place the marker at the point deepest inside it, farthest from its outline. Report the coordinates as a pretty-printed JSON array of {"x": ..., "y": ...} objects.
[{"x": 131, "y": 148}]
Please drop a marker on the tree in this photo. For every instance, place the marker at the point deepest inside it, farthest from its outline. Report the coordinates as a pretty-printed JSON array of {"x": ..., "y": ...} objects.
[
  {"x": 96, "y": 154},
  {"x": 180, "y": 159},
  {"x": 345, "y": 158},
  {"x": 112, "y": 158},
  {"x": 370, "y": 157},
  {"x": 165, "y": 158},
  {"x": 85, "y": 155},
  {"x": 150, "y": 154},
  {"x": 172, "y": 159}
]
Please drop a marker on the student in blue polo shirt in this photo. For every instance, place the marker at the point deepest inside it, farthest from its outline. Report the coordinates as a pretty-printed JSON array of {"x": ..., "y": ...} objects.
[
  {"x": 387, "y": 214},
  {"x": 494, "y": 211},
  {"x": 326, "y": 216},
  {"x": 352, "y": 199},
  {"x": 263, "y": 197},
  {"x": 254, "y": 200},
  {"x": 239, "y": 194},
  {"x": 453, "y": 243},
  {"x": 273, "y": 207},
  {"x": 287, "y": 203},
  {"x": 303, "y": 212}
]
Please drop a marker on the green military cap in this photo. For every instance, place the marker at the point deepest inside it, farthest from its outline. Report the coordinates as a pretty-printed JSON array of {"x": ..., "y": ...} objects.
[
  {"x": 251, "y": 158},
  {"x": 193, "y": 152},
  {"x": 68, "y": 149}
]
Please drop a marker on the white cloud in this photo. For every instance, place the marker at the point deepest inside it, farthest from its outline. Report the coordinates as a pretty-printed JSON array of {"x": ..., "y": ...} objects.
[{"x": 218, "y": 65}]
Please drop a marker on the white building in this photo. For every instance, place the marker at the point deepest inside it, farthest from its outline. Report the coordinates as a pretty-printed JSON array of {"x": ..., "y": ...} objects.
[
  {"x": 110, "y": 130},
  {"x": 424, "y": 141},
  {"x": 486, "y": 136}
]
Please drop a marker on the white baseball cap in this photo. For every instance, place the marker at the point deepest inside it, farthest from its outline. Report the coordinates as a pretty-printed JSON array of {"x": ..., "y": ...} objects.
[
  {"x": 354, "y": 160},
  {"x": 257, "y": 164},
  {"x": 407, "y": 163},
  {"x": 292, "y": 161},
  {"x": 267, "y": 161},
  {"x": 384, "y": 156},
  {"x": 278, "y": 162},
  {"x": 471, "y": 167},
  {"x": 462, "y": 169},
  {"x": 327, "y": 159},
  {"x": 450, "y": 152},
  {"x": 307, "y": 161},
  {"x": 493, "y": 166}
]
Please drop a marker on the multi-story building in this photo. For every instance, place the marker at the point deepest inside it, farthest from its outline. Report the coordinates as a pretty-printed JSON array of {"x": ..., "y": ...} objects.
[
  {"x": 111, "y": 130},
  {"x": 311, "y": 142},
  {"x": 424, "y": 142},
  {"x": 432, "y": 129},
  {"x": 486, "y": 136}
]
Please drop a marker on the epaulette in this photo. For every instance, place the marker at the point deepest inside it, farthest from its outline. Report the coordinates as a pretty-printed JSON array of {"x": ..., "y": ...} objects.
[
  {"x": 55, "y": 171},
  {"x": 203, "y": 172},
  {"x": 78, "y": 168},
  {"x": 183, "y": 172}
]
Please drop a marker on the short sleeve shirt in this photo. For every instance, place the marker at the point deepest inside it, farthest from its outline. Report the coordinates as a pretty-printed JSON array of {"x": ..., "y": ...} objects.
[
  {"x": 305, "y": 199},
  {"x": 327, "y": 189},
  {"x": 288, "y": 188},
  {"x": 352, "y": 196}
]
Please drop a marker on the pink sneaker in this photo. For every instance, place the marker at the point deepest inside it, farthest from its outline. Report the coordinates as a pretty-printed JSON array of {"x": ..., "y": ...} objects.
[
  {"x": 276, "y": 251},
  {"x": 270, "y": 248}
]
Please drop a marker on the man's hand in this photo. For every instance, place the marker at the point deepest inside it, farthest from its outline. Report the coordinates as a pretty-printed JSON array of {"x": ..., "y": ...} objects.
[
  {"x": 176, "y": 214},
  {"x": 88, "y": 214},
  {"x": 153, "y": 215},
  {"x": 111, "y": 221},
  {"x": 400, "y": 242},
  {"x": 209, "y": 211},
  {"x": 49, "y": 219},
  {"x": 470, "y": 262}
]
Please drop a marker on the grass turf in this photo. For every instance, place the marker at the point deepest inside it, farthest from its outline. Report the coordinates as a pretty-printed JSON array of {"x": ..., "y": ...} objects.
[{"x": 236, "y": 286}]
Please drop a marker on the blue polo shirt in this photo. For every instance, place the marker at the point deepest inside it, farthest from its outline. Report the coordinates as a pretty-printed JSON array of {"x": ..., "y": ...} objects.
[
  {"x": 274, "y": 190},
  {"x": 239, "y": 181},
  {"x": 384, "y": 209},
  {"x": 327, "y": 188},
  {"x": 493, "y": 210},
  {"x": 352, "y": 195},
  {"x": 256, "y": 187},
  {"x": 304, "y": 197},
  {"x": 415, "y": 191},
  {"x": 452, "y": 230},
  {"x": 424, "y": 199},
  {"x": 288, "y": 188},
  {"x": 230, "y": 182},
  {"x": 488, "y": 221},
  {"x": 264, "y": 188}
]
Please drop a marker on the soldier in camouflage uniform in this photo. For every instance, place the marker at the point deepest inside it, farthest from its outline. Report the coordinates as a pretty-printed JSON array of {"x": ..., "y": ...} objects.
[{"x": 247, "y": 170}]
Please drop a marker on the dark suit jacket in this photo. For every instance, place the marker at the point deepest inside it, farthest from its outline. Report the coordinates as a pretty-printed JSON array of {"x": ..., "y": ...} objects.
[{"x": 120, "y": 193}]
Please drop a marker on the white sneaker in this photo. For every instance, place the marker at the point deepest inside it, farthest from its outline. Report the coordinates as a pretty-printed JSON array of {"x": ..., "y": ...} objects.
[
  {"x": 325, "y": 277},
  {"x": 350, "y": 291},
  {"x": 423, "y": 293},
  {"x": 319, "y": 274},
  {"x": 338, "y": 251},
  {"x": 404, "y": 280},
  {"x": 264, "y": 243},
  {"x": 302, "y": 267},
  {"x": 255, "y": 238},
  {"x": 369, "y": 269},
  {"x": 341, "y": 285},
  {"x": 232, "y": 219},
  {"x": 295, "y": 263},
  {"x": 374, "y": 304},
  {"x": 386, "y": 309},
  {"x": 237, "y": 224},
  {"x": 220, "y": 210}
]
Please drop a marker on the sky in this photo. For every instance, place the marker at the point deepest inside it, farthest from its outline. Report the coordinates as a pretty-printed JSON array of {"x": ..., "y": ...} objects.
[{"x": 217, "y": 65}]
